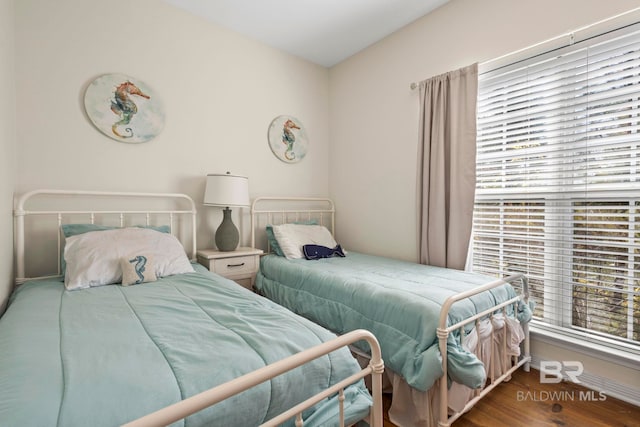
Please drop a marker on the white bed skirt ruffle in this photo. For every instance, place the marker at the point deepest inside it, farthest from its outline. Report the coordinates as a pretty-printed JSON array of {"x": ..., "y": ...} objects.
[{"x": 415, "y": 408}]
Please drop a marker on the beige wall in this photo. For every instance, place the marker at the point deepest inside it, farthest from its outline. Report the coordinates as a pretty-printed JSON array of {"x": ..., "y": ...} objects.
[
  {"x": 220, "y": 92},
  {"x": 374, "y": 116},
  {"x": 7, "y": 147}
]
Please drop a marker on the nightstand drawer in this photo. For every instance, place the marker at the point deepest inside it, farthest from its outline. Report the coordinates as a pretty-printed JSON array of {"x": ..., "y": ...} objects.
[
  {"x": 236, "y": 265},
  {"x": 240, "y": 265}
]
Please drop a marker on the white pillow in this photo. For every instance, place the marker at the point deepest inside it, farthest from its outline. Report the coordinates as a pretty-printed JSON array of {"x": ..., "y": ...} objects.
[
  {"x": 93, "y": 258},
  {"x": 291, "y": 238}
]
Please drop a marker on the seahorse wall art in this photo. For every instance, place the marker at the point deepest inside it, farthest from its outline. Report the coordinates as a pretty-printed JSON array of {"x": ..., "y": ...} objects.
[
  {"x": 288, "y": 139},
  {"x": 124, "y": 108}
]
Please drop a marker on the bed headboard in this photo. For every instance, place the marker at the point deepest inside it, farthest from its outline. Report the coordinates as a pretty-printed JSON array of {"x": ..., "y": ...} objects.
[
  {"x": 281, "y": 210},
  {"x": 39, "y": 214}
]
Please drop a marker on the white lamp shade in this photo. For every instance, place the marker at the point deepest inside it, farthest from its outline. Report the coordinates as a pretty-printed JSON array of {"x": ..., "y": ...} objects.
[{"x": 226, "y": 190}]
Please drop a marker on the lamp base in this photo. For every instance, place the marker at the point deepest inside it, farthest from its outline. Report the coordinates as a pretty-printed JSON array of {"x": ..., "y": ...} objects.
[{"x": 227, "y": 235}]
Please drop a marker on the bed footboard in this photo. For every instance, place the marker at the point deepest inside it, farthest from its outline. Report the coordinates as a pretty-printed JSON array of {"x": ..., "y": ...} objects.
[
  {"x": 509, "y": 366},
  {"x": 193, "y": 404}
]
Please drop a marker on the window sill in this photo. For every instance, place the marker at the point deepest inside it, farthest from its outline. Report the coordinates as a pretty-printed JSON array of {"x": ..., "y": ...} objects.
[{"x": 618, "y": 353}]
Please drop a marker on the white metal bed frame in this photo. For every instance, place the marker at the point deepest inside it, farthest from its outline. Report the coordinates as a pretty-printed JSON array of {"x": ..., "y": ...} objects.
[
  {"x": 279, "y": 215},
  {"x": 214, "y": 395}
]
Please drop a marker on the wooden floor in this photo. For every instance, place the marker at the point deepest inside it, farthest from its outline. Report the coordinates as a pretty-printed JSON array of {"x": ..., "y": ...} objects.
[{"x": 525, "y": 402}]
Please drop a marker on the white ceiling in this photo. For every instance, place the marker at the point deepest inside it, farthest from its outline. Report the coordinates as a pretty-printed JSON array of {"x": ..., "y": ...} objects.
[{"x": 322, "y": 31}]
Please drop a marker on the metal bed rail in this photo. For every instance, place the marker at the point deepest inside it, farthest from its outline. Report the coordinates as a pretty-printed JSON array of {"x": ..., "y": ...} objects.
[{"x": 200, "y": 401}]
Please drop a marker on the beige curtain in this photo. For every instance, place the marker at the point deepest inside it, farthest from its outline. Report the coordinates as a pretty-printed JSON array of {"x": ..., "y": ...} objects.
[{"x": 447, "y": 166}]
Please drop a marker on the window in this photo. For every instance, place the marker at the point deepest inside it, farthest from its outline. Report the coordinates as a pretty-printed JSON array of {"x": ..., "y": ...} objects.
[{"x": 558, "y": 184}]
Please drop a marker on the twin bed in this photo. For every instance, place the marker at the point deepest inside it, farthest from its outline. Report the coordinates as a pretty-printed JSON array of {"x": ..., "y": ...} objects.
[
  {"x": 192, "y": 348},
  {"x": 432, "y": 323},
  {"x": 86, "y": 350}
]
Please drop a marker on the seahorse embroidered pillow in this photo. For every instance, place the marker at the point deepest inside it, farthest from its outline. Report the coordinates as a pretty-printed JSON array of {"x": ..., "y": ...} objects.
[
  {"x": 137, "y": 269},
  {"x": 93, "y": 258}
]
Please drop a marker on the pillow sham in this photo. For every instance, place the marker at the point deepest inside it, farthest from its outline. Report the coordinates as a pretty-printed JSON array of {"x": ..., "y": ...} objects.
[
  {"x": 93, "y": 258},
  {"x": 273, "y": 243},
  {"x": 69, "y": 230},
  {"x": 136, "y": 270},
  {"x": 291, "y": 238}
]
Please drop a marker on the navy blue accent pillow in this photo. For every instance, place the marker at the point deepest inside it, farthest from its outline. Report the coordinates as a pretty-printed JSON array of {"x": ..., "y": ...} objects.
[{"x": 317, "y": 251}]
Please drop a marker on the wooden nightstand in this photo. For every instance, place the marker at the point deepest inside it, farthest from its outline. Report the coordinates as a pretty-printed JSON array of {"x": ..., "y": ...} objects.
[{"x": 240, "y": 265}]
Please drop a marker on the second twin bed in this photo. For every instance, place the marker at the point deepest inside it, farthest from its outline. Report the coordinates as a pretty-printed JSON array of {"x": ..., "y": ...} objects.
[{"x": 431, "y": 322}]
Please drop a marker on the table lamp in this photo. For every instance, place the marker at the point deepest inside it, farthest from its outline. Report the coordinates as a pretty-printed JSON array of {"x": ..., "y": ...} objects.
[{"x": 229, "y": 191}]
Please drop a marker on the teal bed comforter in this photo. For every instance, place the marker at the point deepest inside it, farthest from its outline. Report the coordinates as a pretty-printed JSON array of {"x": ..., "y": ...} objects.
[
  {"x": 107, "y": 355},
  {"x": 398, "y": 301}
]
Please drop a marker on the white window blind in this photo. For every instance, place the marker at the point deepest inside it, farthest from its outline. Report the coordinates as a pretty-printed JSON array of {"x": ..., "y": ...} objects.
[{"x": 558, "y": 183}]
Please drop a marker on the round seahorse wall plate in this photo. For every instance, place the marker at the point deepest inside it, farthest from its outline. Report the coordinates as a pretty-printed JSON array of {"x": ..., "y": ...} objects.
[
  {"x": 288, "y": 139},
  {"x": 124, "y": 108}
]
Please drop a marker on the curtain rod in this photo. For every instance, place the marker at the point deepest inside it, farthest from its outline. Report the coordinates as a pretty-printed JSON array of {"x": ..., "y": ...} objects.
[{"x": 571, "y": 35}]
